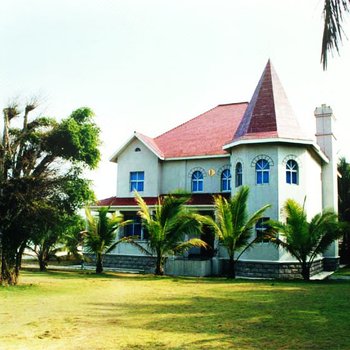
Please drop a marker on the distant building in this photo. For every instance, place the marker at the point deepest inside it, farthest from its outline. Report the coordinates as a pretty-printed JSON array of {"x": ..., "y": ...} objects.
[{"x": 259, "y": 144}]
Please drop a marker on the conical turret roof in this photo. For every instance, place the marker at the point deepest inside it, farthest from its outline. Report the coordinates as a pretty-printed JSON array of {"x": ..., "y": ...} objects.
[{"x": 269, "y": 114}]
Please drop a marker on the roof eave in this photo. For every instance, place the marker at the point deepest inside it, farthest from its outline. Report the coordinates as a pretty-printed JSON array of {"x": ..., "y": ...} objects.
[
  {"x": 279, "y": 140},
  {"x": 120, "y": 207},
  {"x": 199, "y": 157},
  {"x": 153, "y": 206}
]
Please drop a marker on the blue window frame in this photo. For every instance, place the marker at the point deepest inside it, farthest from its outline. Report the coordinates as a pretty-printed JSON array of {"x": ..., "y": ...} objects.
[
  {"x": 262, "y": 168},
  {"x": 226, "y": 180},
  {"x": 135, "y": 228},
  {"x": 197, "y": 181},
  {"x": 137, "y": 179},
  {"x": 239, "y": 175},
  {"x": 292, "y": 170}
]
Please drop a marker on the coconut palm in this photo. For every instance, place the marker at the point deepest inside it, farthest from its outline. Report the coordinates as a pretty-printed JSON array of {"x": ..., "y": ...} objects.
[
  {"x": 167, "y": 227},
  {"x": 233, "y": 226},
  {"x": 101, "y": 232},
  {"x": 333, "y": 13},
  {"x": 302, "y": 239}
]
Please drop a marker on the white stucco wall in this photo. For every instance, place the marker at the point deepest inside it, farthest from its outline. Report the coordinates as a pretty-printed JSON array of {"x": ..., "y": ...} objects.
[
  {"x": 177, "y": 174},
  {"x": 309, "y": 179},
  {"x": 259, "y": 195},
  {"x": 309, "y": 185},
  {"x": 146, "y": 161},
  {"x": 277, "y": 191}
]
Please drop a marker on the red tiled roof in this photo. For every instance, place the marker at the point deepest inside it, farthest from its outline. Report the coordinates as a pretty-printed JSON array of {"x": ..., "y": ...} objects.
[
  {"x": 150, "y": 143},
  {"x": 269, "y": 114},
  {"x": 196, "y": 199},
  {"x": 203, "y": 135}
]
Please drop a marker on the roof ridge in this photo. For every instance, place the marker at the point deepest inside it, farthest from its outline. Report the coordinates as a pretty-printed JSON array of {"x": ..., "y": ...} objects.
[
  {"x": 186, "y": 122},
  {"x": 232, "y": 103}
]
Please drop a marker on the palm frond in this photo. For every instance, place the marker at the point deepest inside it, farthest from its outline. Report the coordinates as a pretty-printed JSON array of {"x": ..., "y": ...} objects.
[
  {"x": 193, "y": 242},
  {"x": 101, "y": 230},
  {"x": 144, "y": 211},
  {"x": 232, "y": 224},
  {"x": 332, "y": 31},
  {"x": 302, "y": 239}
]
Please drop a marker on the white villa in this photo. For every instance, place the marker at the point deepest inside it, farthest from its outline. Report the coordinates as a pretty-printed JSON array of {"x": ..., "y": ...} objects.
[{"x": 259, "y": 144}]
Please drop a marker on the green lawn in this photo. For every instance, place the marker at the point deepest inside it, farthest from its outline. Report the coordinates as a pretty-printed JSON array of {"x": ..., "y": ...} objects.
[
  {"x": 75, "y": 310},
  {"x": 345, "y": 271}
]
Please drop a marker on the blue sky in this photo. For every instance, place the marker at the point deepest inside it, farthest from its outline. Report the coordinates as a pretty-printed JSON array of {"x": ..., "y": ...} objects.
[{"x": 150, "y": 65}]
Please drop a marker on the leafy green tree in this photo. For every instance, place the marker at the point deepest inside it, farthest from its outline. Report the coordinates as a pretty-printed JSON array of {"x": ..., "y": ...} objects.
[
  {"x": 344, "y": 207},
  {"x": 303, "y": 239},
  {"x": 41, "y": 164},
  {"x": 233, "y": 225},
  {"x": 167, "y": 227},
  {"x": 333, "y": 13},
  {"x": 73, "y": 238},
  {"x": 55, "y": 233},
  {"x": 100, "y": 235}
]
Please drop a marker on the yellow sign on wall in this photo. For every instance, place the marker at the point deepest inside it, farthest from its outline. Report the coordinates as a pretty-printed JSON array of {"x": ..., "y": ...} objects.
[{"x": 211, "y": 172}]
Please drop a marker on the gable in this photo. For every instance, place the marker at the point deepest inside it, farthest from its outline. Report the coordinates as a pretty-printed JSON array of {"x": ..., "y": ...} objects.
[{"x": 146, "y": 141}]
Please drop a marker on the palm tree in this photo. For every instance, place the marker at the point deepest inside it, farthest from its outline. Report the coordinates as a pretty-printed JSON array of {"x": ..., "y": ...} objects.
[
  {"x": 333, "y": 11},
  {"x": 233, "y": 226},
  {"x": 101, "y": 233},
  {"x": 302, "y": 239},
  {"x": 167, "y": 227}
]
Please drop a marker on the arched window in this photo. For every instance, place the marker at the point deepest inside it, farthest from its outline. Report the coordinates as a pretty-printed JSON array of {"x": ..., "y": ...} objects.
[
  {"x": 226, "y": 180},
  {"x": 292, "y": 172},
  {"x": 197, "y": 181},
  {"x": 262, "y": 168},
  {"x": 239, "y": 175}
]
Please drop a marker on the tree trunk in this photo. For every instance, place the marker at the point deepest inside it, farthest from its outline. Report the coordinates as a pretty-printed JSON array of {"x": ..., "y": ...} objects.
[
  {"x": 345, "y": 249},
  {"x": 19, "y": 256},
  {"x": 305, "y": 270},
  {"x": 43, "y": 259},
  {"x": 231, "y": 267},
  {"x": 99, "y": 263},
  {"x": 42, "y": 263},
  {"x": 159, "y": 265},
  {"x": 9, "y": 274}
]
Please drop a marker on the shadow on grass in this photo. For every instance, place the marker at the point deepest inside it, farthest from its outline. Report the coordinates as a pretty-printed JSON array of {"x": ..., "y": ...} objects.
[
  {"x": 83, "y": 274},
  {"x": 277, "y": 317}
]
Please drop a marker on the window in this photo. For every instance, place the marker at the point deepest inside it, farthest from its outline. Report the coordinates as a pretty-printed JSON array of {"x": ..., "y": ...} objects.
[
  {"x": 260, "y": 229},
  {"x": 239, "y": 175},
  {"x": 135, "y": 228},
  {"x": 226, "y": 180},
  {"x": 292, "y": 172},
  {"x": 197, "y": 181},
  {"x": 262, "y": 168},
  {"x": 137, "y": 179}
]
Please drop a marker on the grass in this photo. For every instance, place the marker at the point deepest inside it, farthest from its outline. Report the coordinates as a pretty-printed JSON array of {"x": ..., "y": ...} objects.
[
  {"x": 79, "y": 310},
  {"x": 345, "y": 271}
]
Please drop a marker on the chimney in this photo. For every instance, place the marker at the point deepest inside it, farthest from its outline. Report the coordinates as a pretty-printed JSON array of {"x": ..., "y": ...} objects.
[{"x": 325, "y": 138}]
